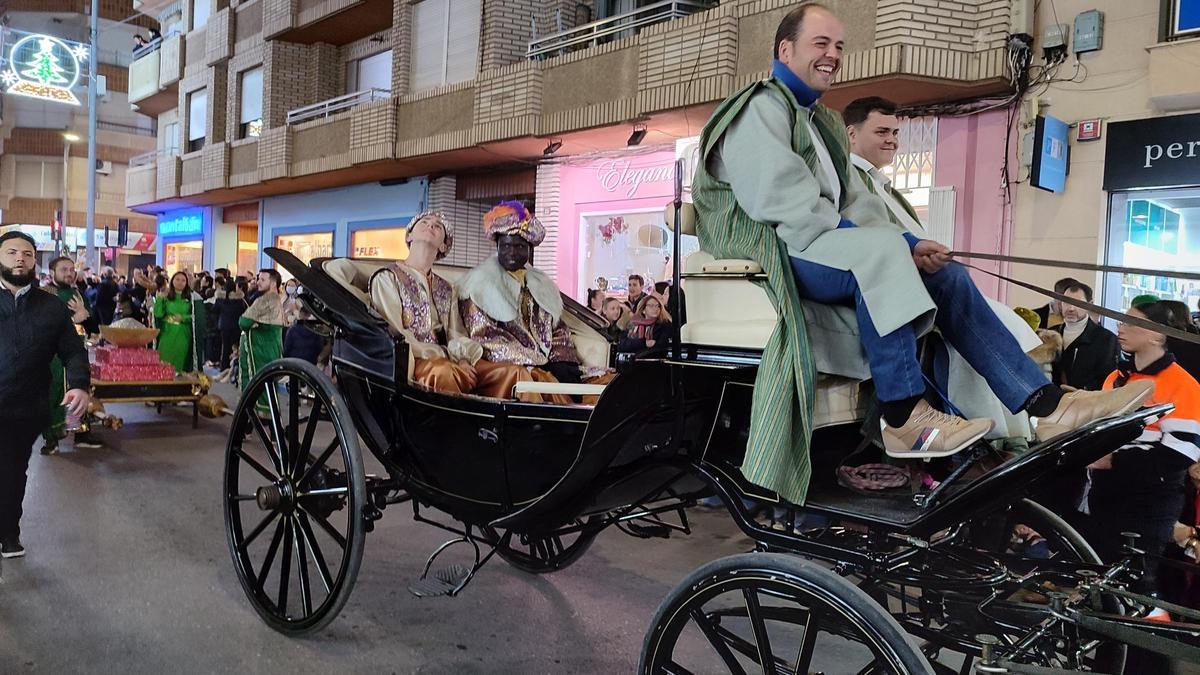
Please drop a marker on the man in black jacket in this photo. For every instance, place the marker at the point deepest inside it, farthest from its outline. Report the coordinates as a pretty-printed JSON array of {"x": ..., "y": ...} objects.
[
  {"x": 1089, "y": 349},
  {"x": 34, "y": 328}
]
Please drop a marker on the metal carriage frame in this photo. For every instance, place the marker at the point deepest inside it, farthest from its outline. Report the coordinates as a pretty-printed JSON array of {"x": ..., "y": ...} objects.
[{"x": 905, "y": 580}]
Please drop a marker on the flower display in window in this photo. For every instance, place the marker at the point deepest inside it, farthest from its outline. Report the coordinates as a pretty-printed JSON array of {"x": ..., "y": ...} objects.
[{"x": 615, "y": 225}]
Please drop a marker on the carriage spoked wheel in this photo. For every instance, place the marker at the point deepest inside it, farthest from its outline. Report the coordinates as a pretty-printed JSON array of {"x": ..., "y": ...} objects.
[
  {"x": 772, "y": 613},
  {"x": 294, "y": 496},
  {"x": 542, "y": 554}
]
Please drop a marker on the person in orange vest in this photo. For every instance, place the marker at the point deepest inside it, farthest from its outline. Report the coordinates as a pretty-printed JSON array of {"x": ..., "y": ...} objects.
[{"x": 1141, "y": 486}]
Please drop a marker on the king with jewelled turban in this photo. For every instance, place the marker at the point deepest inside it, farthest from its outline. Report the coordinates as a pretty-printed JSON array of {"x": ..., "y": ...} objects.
[{"x": 514, "y": 311}]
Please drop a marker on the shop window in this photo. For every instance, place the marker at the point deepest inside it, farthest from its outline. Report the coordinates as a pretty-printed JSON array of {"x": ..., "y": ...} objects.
[
  {"x": 247, "y": 246},
  {"x": 183, "y": 255},
  {"x": 618, "y": 244},
  {"x": 305, "y": 246},
  {"x": 372, "y": 72},
  {"x": 379, "y": 243},
  {"x": 445, "y": 42},
  {"x": 250, "y": 124},
  {"x": 1158, "y": 230},
  {"x": 1183, "y": 18},
  {"x": 201, "y": 9},
  {"x": 197, "y": 119}
]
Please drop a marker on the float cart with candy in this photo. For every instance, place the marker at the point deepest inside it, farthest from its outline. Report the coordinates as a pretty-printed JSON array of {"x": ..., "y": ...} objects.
[{"x": 125, "y": 370}]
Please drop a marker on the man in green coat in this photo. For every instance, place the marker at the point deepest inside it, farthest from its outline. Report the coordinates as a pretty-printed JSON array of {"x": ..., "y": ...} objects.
[
  {"x": 262, "y": 329},
  {"x": 776, "y": 161},
  {"x": 62, "y": 273}
]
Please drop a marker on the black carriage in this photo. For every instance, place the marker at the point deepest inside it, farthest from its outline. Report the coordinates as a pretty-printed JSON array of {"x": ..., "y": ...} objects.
[{"x": 879, "y": 584}]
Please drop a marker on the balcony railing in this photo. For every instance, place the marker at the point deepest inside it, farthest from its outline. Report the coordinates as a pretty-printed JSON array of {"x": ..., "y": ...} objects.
[
  {"x": 336, "y": 105},
  {"x": 612, "y": 28},
  {"x": 152, "y": 157}
]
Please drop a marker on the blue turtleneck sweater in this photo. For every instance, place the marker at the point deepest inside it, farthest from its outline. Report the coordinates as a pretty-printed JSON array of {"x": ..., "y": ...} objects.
[{"x": 807, "y": 97}]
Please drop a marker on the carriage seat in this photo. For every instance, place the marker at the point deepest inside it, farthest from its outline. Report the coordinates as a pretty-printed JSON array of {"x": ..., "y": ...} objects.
[
  {"x": 728, "y": 306},
  {"x": 592, "y": 347}
]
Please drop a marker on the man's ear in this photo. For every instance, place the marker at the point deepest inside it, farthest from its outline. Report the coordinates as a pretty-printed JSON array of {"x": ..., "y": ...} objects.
[{"x": 851, "y": 131}]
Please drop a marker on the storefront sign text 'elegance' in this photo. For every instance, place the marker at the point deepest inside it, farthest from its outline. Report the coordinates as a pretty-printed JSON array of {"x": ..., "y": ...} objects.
[
  {"x": 43, "y": 67},
  {"x": 1160, "y": 152},
  {"x": 619, "y": 174}
]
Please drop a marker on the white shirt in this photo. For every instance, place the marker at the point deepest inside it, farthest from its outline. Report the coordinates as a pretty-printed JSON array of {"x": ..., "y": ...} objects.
[{"x": 889, "y": 200}]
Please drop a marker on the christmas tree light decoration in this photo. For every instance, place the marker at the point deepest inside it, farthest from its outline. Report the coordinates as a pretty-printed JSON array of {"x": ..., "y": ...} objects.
[{"x": 43, "y": 67}]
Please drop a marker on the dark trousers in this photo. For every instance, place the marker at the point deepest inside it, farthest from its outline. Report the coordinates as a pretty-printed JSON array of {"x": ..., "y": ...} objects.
[
  {"x": 229, "y": 340},
  {"x": 16, "y": 445}
]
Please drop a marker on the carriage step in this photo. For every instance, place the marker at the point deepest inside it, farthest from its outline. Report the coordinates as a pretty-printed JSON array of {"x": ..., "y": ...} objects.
[{"x": 442, "y": 582}]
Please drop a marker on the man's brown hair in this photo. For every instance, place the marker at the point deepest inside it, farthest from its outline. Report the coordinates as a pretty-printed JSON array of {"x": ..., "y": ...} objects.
[{"x": 790, "y": 25}]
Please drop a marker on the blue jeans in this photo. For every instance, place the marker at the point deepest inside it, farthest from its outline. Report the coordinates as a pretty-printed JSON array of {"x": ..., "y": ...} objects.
[{"x": 964, "y": 318}]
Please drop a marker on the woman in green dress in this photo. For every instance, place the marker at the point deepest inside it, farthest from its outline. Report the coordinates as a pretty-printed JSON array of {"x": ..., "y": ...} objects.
[{"x": 178, "y": 313}]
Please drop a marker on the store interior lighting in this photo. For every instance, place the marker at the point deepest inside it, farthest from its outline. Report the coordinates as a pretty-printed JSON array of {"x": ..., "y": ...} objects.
[
  {"x": 552, "y": 147},
  {"x": 639, "y": 132}
]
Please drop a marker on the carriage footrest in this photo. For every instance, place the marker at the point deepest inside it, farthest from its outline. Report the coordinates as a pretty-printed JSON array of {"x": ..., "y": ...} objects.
[{"x": 442, "y": 582}]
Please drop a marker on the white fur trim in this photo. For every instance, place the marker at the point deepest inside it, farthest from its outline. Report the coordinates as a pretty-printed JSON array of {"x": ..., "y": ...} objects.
[{"x": 497, "y": 293}]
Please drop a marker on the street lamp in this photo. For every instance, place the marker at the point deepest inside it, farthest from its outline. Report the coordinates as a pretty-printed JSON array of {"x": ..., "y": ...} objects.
[{"x": 69, "y": 137}]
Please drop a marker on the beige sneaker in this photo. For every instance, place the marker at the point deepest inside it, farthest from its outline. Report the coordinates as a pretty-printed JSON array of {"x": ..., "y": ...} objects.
[
  {"x": 1079, "y": 408},
  {"x": 930, "y": 433}
]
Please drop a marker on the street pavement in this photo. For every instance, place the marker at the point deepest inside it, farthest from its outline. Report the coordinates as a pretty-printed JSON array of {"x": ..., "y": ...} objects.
[{"x": 128, "y": 571}]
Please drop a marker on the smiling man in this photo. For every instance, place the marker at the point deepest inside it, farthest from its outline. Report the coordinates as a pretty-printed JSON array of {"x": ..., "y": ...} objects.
[{"x": 773, "y": 185}]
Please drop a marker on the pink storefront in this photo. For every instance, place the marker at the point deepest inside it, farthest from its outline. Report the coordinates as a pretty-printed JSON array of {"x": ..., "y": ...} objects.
[{"x": 609, "y": 219}]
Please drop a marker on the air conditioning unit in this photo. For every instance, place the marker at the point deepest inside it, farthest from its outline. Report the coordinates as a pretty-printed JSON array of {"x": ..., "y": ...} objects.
[{"x": 104, "y": 167}]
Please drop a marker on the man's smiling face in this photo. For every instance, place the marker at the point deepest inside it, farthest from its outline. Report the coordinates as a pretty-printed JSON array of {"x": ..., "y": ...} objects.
[{"x": 815, "y": 56}]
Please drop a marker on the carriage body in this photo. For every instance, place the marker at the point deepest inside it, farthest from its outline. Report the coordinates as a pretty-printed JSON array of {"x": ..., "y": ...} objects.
[{"x": 669, "y": 428}]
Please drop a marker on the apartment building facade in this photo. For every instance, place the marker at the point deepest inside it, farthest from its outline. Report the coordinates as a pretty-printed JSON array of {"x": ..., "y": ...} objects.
[
  {"x": 323, "y": 125},
  {"x": 43, "y": 145},
  {"x": 1132, "y": 194}
]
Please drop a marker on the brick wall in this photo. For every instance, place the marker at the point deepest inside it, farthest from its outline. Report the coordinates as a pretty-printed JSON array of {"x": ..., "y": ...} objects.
[
  {"x": 508, "y": 27},
  {"x": 548, "y": 189},
  {"x": 470, "y": 246},
  {"x": 25, "y": 210},
  {"x": 49, "y": 143},
  {"x": 296, "y": 75},
  {"x": 966, "y": 25}
]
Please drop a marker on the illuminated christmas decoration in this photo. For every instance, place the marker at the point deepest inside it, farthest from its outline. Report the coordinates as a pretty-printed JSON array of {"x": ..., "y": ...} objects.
[{"x": 43, "y": 67}]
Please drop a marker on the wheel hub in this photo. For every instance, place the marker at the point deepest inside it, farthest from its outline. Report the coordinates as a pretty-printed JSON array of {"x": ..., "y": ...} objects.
[{"x": 275, "y": 497}]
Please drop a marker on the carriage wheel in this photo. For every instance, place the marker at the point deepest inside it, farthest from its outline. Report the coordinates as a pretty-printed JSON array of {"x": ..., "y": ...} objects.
[
  {"x": 770, "y": 613},
  {"x": 542, "y": 554},
  {"x": 1064, "y": 543},
  {"x": 294, "y": 495}
]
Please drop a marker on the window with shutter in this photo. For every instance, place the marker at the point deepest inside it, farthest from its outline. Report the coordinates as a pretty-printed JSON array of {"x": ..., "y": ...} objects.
[
  {"x": 197, "y": 119},
  {"x": 445, "y": 42},
  {"x": 250, "y": 116}
]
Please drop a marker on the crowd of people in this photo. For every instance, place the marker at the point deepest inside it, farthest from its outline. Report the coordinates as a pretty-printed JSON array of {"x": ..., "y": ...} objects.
[{"x": 641, "y": 320}]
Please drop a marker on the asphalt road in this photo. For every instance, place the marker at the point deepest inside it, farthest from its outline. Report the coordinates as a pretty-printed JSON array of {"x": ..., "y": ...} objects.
[{"x": 128, "y": 571}]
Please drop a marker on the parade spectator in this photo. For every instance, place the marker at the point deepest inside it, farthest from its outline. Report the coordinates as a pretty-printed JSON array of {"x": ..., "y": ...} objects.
[
  {"x": 139, "y": 43},
  {"x": 1089, "y": 349},
  {"x": 179, "y": 315},
  {"x": 230, "y": 304},
  {"x": 262, "y": 329},
  {"x": 1187, "y": 354},
  {"x": 1140, "y": 487},
  {"x": 300, "y": 342},
  {"x": 650, "y": 327},
  {"x": 106, "y": 296},
  {"x": 636, "y": 284},
  {"x": 618, "y": 316},
  {"x": 291, "y": 303},
  {"x": 37, "y": 327},
  {"x": 1051, "y": 313},
  {"x": 596, "y": 300},
  {"x": 62, "y": 273}
]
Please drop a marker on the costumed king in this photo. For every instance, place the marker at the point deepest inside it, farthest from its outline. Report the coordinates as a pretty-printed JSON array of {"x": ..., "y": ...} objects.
[
  {"x": 514, "y": 311},
  {"x": 423, "y": 308}
]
